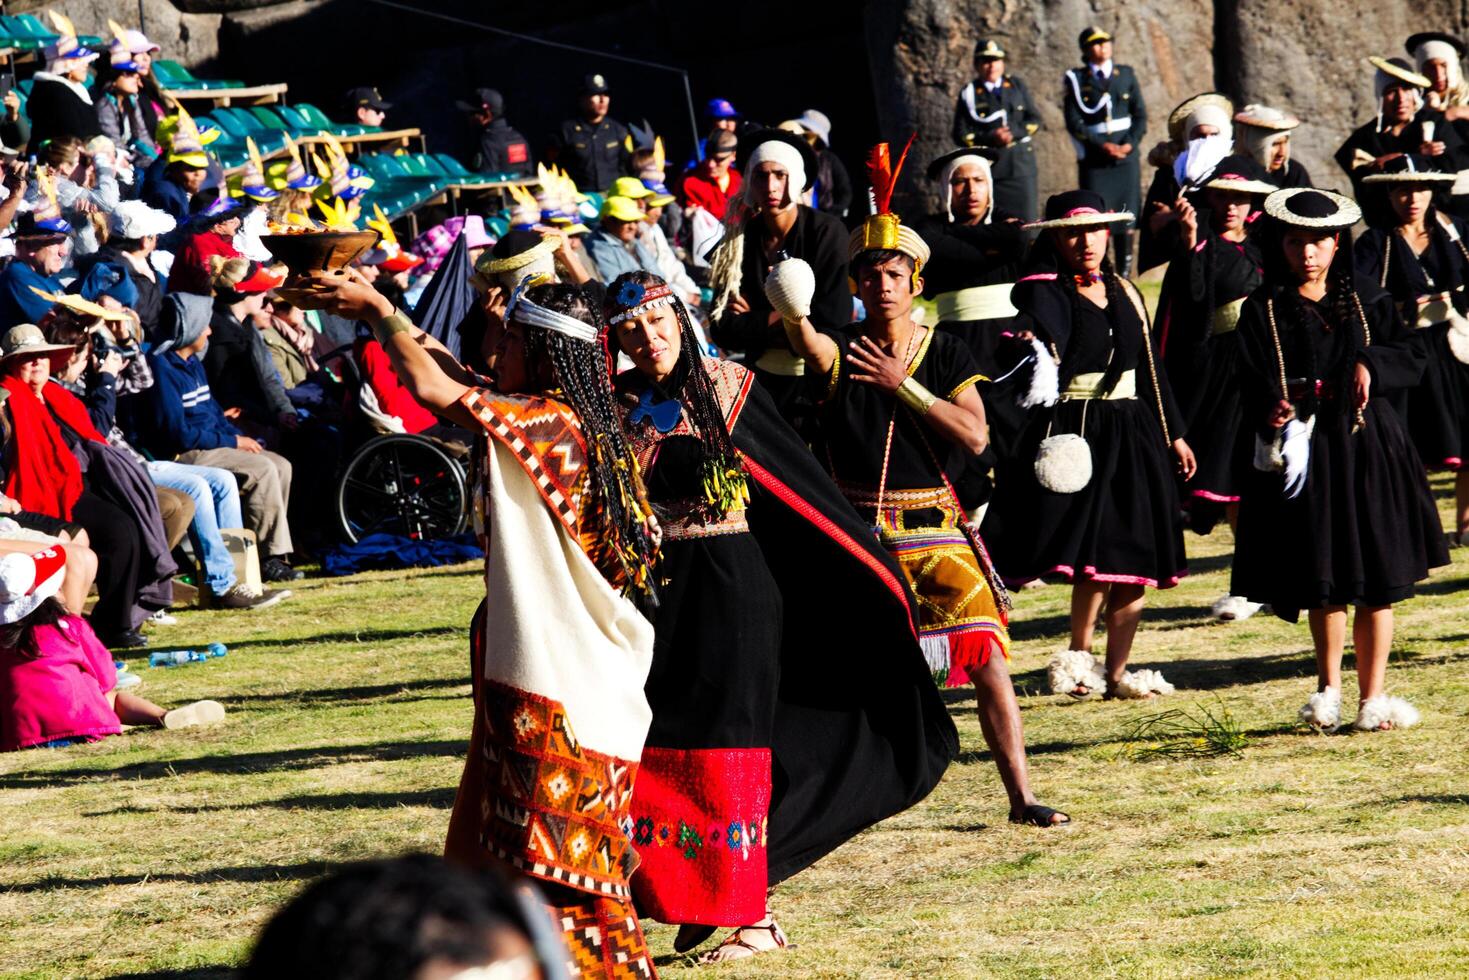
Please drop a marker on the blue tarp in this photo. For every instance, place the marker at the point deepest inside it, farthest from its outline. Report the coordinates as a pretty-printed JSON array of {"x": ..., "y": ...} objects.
[{"x": 382, "y": 551}]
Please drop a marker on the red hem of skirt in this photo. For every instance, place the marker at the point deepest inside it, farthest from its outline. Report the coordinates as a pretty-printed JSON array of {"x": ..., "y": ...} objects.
[{"x": 1217, "y": 498}]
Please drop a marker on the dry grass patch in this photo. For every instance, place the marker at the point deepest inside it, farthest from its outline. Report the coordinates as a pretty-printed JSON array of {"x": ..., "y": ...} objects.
[{"x": 161, "y": 854}]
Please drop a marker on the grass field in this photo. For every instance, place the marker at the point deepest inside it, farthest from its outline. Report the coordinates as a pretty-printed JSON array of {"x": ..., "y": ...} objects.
[{"x": 160, "y": 854}]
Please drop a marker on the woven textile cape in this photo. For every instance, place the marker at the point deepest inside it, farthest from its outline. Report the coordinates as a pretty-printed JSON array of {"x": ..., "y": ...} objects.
[{"x": 560, "y": 658}]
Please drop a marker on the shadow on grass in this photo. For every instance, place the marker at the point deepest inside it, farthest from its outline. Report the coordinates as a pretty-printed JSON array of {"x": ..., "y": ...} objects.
[
  {"x": 195, "y": 973},
  {"x": 439, "y": 799},
  {"x": 248, "y": 873},
  {"x": 351, "y": 636},
  {"x": 240, "y": 763},
  {"x": 1442, "y": 799},
  {"x": 364, "y": 693}
]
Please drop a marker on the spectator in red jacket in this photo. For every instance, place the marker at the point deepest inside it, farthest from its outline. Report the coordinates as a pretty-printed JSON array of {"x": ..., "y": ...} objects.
[
  {"x": 714, "y": 182},
  {"x": 211, "y": 232}
]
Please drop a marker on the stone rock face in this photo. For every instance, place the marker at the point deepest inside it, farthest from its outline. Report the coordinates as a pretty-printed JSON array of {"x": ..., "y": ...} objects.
[
  {"x": 1306, "y": 56},
  {"x": 1312, "y": 59},
  {"x": 191, "y": 39},
  {"x": 922, "y": 51}
]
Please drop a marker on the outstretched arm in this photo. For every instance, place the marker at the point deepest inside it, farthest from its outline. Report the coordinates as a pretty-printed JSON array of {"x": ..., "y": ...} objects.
[
  {"x": 790, "y": 288},
  {"x": 352, "y": 296}
]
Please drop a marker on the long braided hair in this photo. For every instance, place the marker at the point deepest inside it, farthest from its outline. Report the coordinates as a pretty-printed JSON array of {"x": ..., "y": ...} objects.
[
  {"x": 1296, "y": 313},
  {"x": 617, "y": 489},
  {"x": 723, "y": 479}
]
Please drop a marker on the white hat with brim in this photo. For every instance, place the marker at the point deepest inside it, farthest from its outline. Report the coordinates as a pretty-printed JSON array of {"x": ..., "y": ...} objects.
[
  {"x": 1083, "y": 218},
  {"x": 1427, "y": 178},
  {"x": 25, "y": 340},
  {"x": 1403, "y": 74},
  {"x": 26, "y": 581},
  {"x": 1241, "y": 185},
  {"x": 135, "y": 220},
  {"x": 1309, "y": 207},
  {"x": 1264, "y": 117}
]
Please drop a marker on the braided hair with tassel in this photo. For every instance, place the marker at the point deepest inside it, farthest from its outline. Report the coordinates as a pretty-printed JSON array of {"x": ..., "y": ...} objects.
[
  {"x": 616, "y": 487},
  {"x": 723, "y": 479}
]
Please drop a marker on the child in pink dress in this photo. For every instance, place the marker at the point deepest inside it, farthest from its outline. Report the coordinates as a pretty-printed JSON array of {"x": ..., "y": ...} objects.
[{"x": 57, "y": 680}]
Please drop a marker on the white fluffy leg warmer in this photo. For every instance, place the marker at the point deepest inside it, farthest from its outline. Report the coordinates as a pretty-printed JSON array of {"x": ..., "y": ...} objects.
[
  {"x": 1395, "y": 711},
  {"x": 1233, "y": 608},
  {"x": 1138, "y": 684},
  {"x": 1070, "y": 669},
  {"x": 1323, "y": 710}
]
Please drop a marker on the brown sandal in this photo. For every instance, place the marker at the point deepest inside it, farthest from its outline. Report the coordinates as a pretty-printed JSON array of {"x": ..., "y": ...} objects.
[{"x": 734, "y": 946}]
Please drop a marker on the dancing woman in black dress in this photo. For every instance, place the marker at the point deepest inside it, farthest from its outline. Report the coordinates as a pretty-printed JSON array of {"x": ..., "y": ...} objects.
[{"x": 1337, "y": 510}]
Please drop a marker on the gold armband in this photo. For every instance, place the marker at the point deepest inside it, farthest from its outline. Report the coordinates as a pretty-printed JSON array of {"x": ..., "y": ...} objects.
[
  {"x": 390, "y": 325},
  {"x": 916, "y": 397}
]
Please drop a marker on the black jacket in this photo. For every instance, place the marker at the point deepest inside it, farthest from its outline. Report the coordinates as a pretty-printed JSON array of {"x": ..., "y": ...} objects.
[
  {"x": 56, "y": 111},
  {"x": 503, "y": 150},
  {"x": 593, "y": 156}
]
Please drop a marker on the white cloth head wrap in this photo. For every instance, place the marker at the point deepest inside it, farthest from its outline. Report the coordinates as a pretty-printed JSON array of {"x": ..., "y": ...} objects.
[
  {"x": 789, "y": 159},
  {"x": 947, "y": 174},
  {"x": 1208, "y": 115},
  {"x": 522, "y": 310},
  {"x": 1443, "y": 51}
]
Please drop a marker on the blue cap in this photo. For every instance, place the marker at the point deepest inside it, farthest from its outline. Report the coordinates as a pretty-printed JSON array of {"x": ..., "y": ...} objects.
[
  {"x": 109, "y": 279},
  {"x": 720, "y": 109}
]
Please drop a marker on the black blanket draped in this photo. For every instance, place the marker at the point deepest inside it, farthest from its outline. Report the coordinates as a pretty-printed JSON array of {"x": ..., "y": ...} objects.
[
  {"x": 796, "y": 635},
  {"x": 1364, "y": 529},
  {"x": 1436, "y": 410},
  {"x": 1201, "y": 357}
]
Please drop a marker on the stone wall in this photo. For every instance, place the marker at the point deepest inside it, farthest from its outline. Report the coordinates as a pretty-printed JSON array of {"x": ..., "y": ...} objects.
[{"x": 1308, "y": 56}]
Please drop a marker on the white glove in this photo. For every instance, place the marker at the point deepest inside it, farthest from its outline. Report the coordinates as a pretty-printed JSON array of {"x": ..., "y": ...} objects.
[
  {"x": 790, "y": 288},
  {"x": 1297, "y": 453}
]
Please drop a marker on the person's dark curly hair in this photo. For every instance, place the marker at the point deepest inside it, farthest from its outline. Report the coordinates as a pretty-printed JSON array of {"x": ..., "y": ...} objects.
[{"x": 387, "y": 919}]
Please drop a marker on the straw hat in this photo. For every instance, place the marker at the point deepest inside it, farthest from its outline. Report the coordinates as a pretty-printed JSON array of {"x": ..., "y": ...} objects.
[
  {"x": 1242, "y": 174},
  {"x": 1211, "y": 107},
  {"x": 25, "y": 341},
  {"x": 1308, "y": 207},
  {"x": 1079, "y": 209},
  {"x": 1399, "y": 70}
]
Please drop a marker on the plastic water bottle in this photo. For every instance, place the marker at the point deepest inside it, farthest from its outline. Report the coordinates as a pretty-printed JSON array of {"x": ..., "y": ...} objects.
[{"x": 175, "y": 658}]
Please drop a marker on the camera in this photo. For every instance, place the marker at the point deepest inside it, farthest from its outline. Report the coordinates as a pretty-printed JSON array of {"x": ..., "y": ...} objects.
[{"x": 103, "y": 344}]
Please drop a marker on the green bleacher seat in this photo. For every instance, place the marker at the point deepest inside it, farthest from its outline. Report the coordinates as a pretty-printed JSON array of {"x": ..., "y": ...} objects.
[
  {"x": 497, "y": 224},
  {"x": 276, "y": 122},
  {"x": 171, "y": 74},
  {"x": 453, "y": 168},
  {"x": 316, "y": 117},
  {"x": 13, "y": 35},
  {"x": 244, "y": 124}
]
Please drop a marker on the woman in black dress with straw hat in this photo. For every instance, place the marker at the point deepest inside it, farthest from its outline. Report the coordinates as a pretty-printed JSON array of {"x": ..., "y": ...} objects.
[
  {"x": 1217, "y": 266},
  {"x": 1421, "y": 259},
  {"x": 1337, "y": 511},
  {"x": 1103, "y": 512}
]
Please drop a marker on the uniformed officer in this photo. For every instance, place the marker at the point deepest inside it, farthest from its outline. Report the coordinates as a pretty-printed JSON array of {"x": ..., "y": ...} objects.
[
  {"x": 995, "y": 111},
  {"x": 367, "y": 106},
  {"x": 593, "y": 148},
  {"x": 502, "y": 150},
  {"x": 1106, "y": 118}
]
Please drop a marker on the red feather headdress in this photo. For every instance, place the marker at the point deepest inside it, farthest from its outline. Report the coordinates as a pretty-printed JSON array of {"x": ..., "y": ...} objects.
[{"x": 882, "y": 229}]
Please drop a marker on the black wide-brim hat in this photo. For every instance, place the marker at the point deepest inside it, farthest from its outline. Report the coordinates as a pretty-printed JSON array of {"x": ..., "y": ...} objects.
[
  {"x": 936, "y": 167},
  {"x": 1079, "y": 209},
  {"x": 748, "y": 142},
  {"x": 1422, "y": 37},
  {"x": 1309, "y": 207}
]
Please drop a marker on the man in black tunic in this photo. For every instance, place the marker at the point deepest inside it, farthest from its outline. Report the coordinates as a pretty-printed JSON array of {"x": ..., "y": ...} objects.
[
  {"x": 1105, "y": 115},
  {"x": 995, "y": 111},
  {"x": 778, "y": 166},
  {"x": 593, "y": 148}
]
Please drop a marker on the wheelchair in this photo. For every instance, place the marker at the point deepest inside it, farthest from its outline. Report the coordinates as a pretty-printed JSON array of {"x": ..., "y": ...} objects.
[{"x": 394, "y": 482}]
